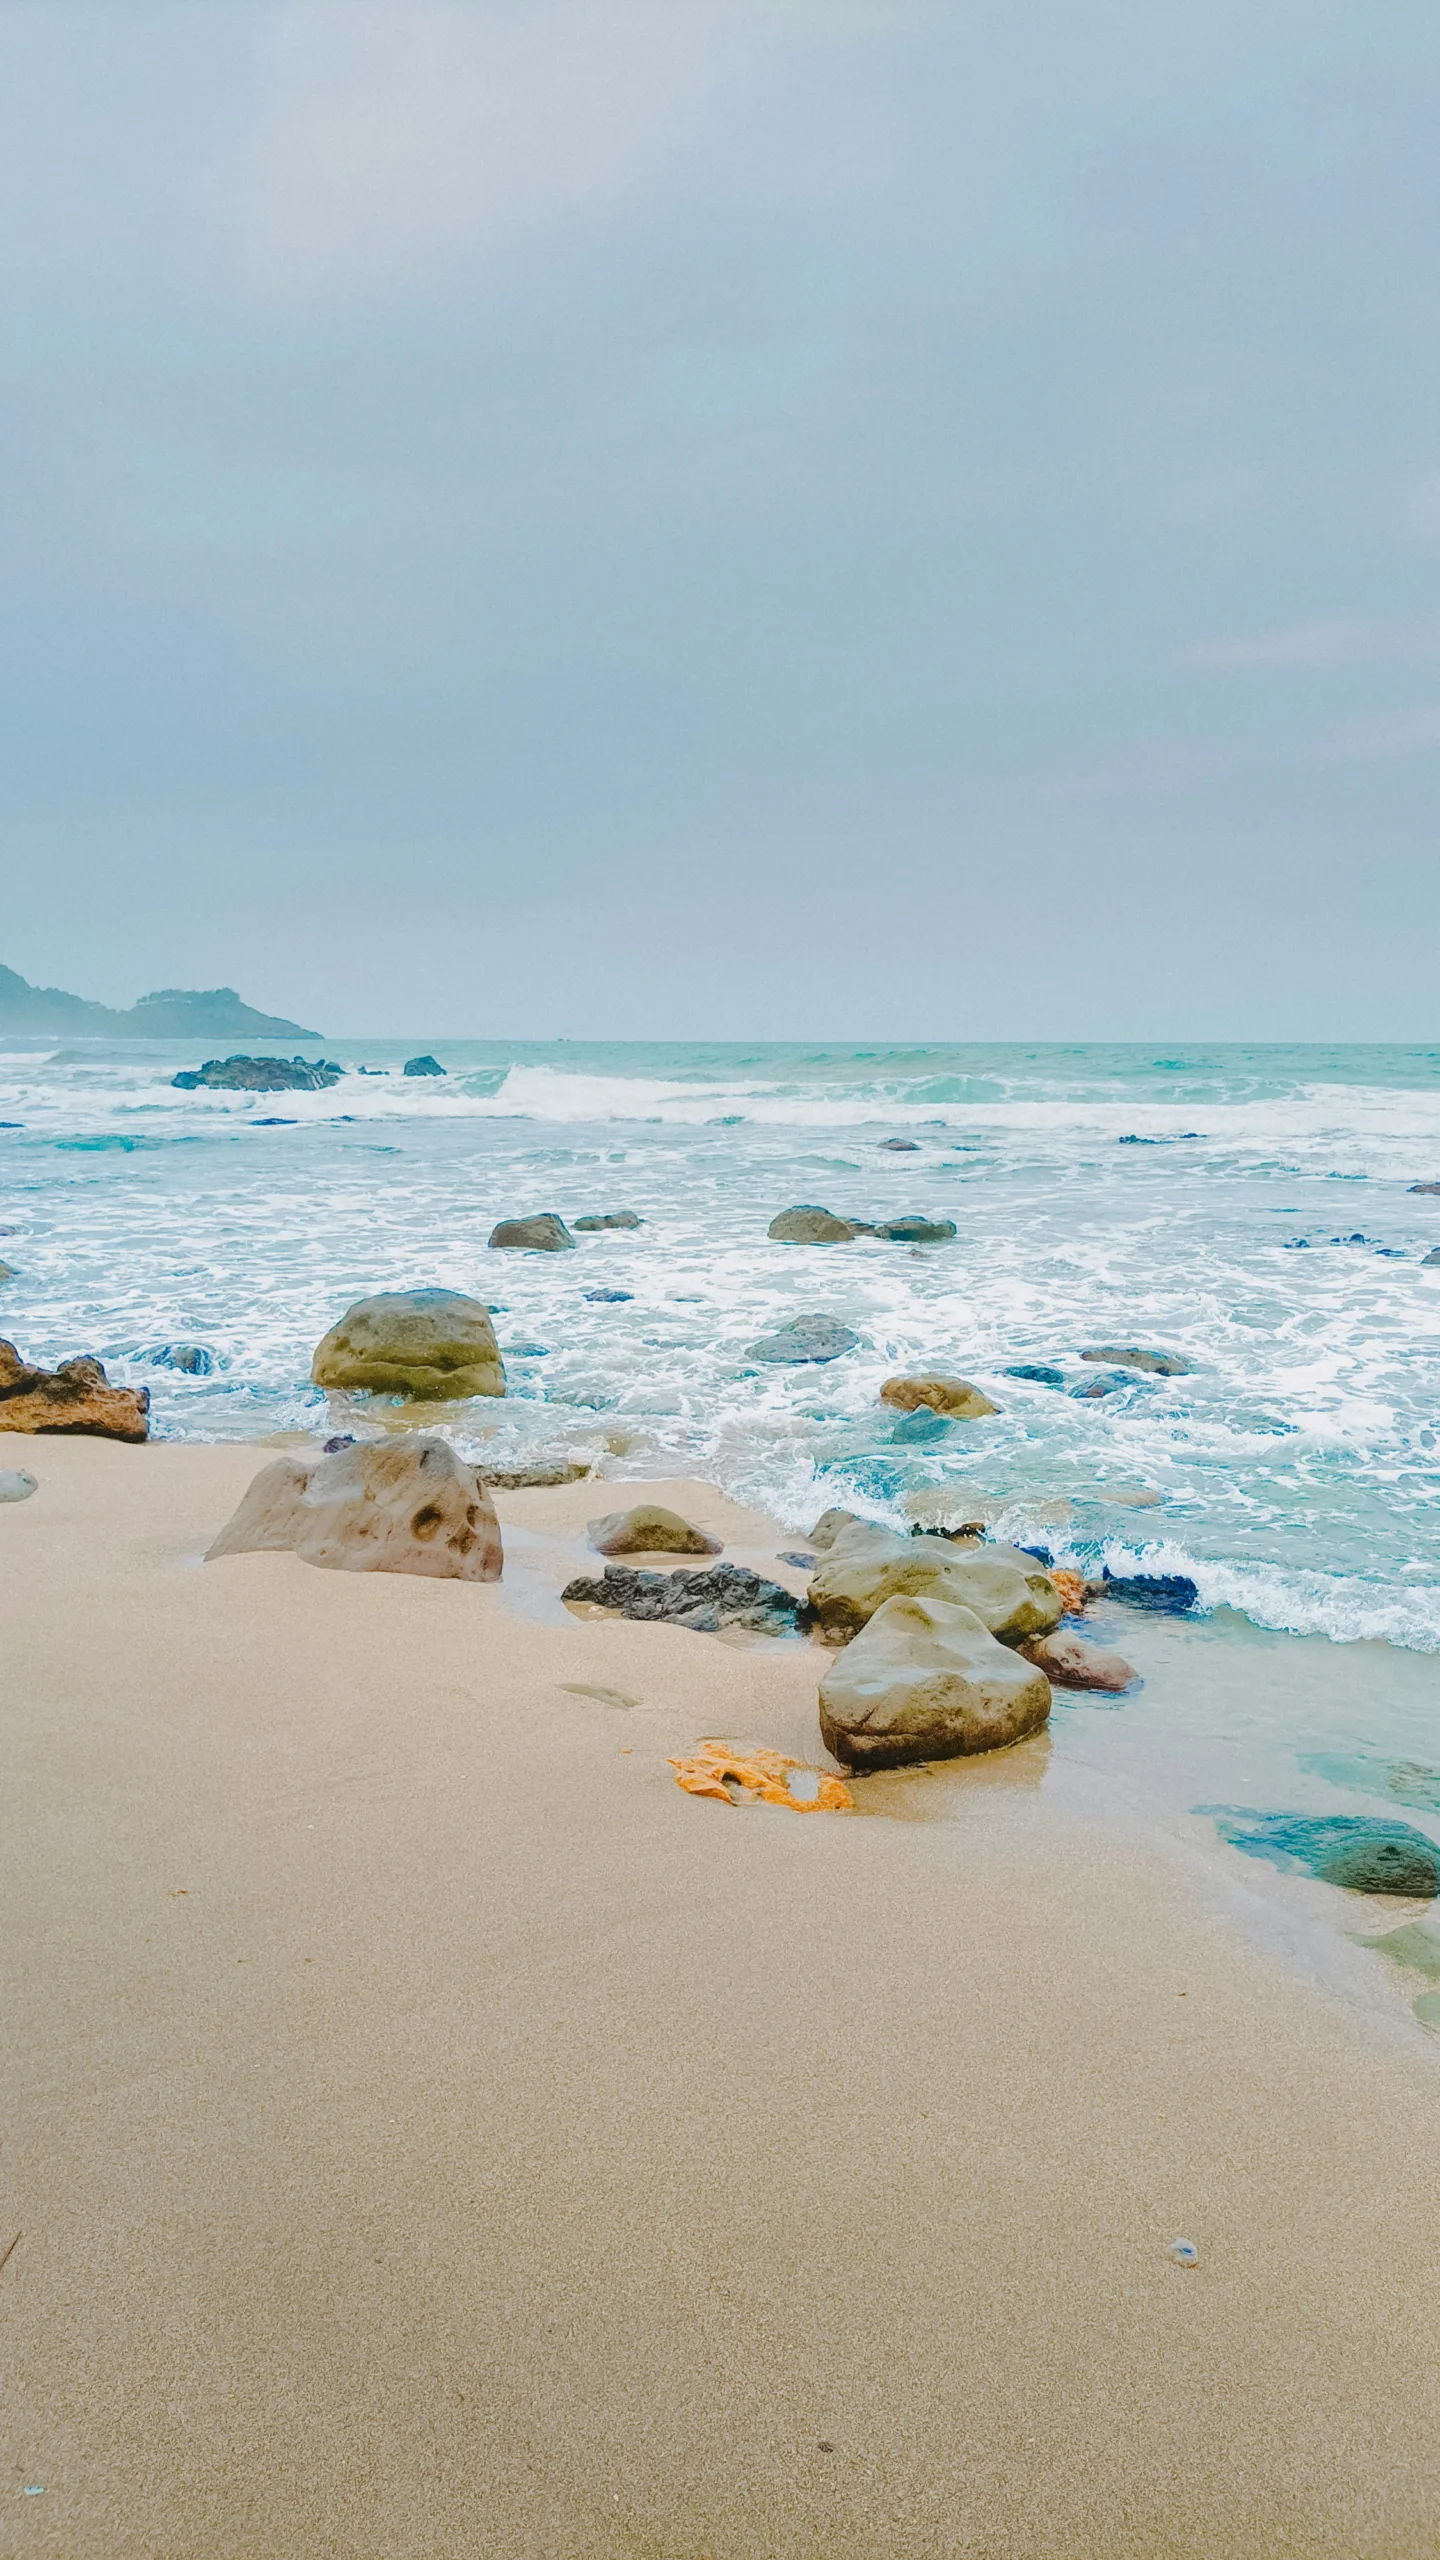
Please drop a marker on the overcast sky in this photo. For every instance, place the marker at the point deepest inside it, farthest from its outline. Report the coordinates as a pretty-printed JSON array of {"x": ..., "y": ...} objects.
[{"x": 646, "y": 518}]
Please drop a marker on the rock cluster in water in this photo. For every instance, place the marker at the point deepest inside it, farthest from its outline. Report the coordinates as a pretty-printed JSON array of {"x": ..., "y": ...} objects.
[
  {"x": 809, "y": 1224},
  {"x": 260, "y": 1075},
  {"x": 76, "y": 1397}
]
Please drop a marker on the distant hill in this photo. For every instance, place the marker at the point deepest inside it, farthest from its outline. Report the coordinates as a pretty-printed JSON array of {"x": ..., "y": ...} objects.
[{"x": 172, "y": 1013}]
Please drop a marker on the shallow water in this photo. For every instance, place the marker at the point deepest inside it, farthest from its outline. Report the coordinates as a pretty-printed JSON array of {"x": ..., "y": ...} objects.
[{"x": 1249, "y": 1208}]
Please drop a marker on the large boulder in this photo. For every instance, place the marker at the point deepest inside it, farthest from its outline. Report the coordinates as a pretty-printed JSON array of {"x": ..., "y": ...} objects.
[
  {"x": 953, "y": 1397},
  {"x": 77, "y": 1397},
  {"x": 545, "y": 1234},
  {"x": 431, "y": 1344},
  {"x": 649, "y": 1529},
  {"x": 1069, "y": 1662},
  {"x": 607, "y": 1218},
  {"x": 725, "y": 1595},
  {"x": 806, "y": 1338},
  {"x": 807, "y": 1225},
  {"x": 1156, "y": 1364},
  {"x": 866, "y": 1567},
  {"x": 260, "y": 1075},
  {"x": 408, "y": 1505},
  {"x": 925, "y": 1680}
]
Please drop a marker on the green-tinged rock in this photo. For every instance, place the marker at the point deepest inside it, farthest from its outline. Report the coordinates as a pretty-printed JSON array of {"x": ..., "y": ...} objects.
[
  {"x": 432, "y": 1345},
  {"x": 925, "y": 1680},
  {"x": 545, "y": 1234}
]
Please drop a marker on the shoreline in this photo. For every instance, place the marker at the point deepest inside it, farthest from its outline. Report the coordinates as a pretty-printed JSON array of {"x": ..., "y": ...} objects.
[{"x": 430, "y": 2129}]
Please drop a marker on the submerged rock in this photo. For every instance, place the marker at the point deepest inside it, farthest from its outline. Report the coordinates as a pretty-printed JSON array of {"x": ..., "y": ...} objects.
[
  {"x": 608, "y": 1218},
  {"x": 260, "y": 1075},
  {"x": 432, "y": 1345},
  {"x": 1157, "y": 1364},
  {"x": 1170, "y": 1594},
  {"x": 191, "y": 1359},
  {"x": 426, "y": 1066},
  {"x": 866, "y": 1567},
  {"x": 545, "y": 1234},
  {"x": 807, "y": 1338},
  {"x": 408, "y": 1505},
  {"x": 1348, "y": 1849},
  {"x": 1038, "y": 1372},
  {"x": 925, "y": 1680},
  {"x": 917, "y": 1230},
  {"x": 898, "y": 1146},
  {"x": 1428, "y": 1190},
  {"x": 1069, "y": 1662},
  {"x": 1431, "y": 1258},
  {"x": 649, "y": 1529},
  {"x": 728, "y": 1595},
  {"x": 609, "y": 1297},
  {"x": 1103, "y": 1383},
  {"x": 76, "y": 1397},
  {"x": 953, "y": 1397},
  {"x": 808, "y": 1225}
]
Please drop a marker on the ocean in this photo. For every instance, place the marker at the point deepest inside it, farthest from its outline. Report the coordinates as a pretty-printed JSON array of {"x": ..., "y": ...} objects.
[{"x": 1248, "y": 1207}]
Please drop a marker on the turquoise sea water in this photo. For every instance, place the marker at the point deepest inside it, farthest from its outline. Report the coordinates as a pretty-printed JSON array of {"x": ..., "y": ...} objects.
[{"x": 1248, "y": 1207}]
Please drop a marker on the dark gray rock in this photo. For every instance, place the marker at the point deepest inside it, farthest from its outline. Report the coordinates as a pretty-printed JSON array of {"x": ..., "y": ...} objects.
[
  {"x": 609, "y": 1297},
  {"x": 1169, "y": 1594},
  {"x": 917, "y": 1230},
  {"x": 1157, "y": 1364},
  {"x": 807, "y": 1338},
  {"x": 1431, "y": 1258},
  {"x": 1427, "y": 1190},
  {"x": 1037, "y": 1371},
  {"x": 260, "y": 1075},
  {"x": 423, "y": 1067},
  {"x": 899, "y": 1146},
  {"x": 724, "y": 1595},
  {"x": 1347, "y": 1849},
  {"x": 608, "y": 1218},
  {"x": 545, "y": 1234}
]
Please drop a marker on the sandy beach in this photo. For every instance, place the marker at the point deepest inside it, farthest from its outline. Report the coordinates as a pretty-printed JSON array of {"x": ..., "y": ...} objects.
[{"x": 431, "y": 2132}]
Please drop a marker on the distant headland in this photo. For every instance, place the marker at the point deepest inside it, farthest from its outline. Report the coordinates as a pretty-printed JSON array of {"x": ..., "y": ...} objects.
[{"x": 172, "y": 1013}]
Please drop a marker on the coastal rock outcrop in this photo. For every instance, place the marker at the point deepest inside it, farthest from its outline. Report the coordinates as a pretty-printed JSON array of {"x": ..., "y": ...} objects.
[
  {"x": 260, "y": 1075},
  {"x": 1156, "y": 1364},
  {"x": 810, "y": 1225},
  {"x": 1071, "y": 1662},
  {"x": 1362, "y": 1854},
  {"x": 649, "y": 1529},
  {"x": 545, "y": 1234},
  {"x": 954, "y": 1397},
  {"x": 805, "y": 1338},
  {"x": 926, "y": 1680},
  {"x": 866, "y": 1567},
  {"x": 607, "y": 1218},
  {"x": 75, "y": 1397},
  {"x": 433, "y": 1345},
  {"x": 408, "y": 1505},
  {"x": 728, "y": 1595},
  {"x": 426, "y": 1066}
]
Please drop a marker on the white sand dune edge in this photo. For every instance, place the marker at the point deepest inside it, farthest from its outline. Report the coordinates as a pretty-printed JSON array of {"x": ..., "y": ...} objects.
[{"x": 432, "y": 2133}]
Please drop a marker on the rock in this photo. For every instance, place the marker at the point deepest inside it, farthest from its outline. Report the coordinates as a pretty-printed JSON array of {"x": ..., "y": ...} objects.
[
  {"x": 1037, "y": 1371},
  {"x": 810, "y": 1226},
  {"x": 952, "y": 1396},
  {"x": 5, "y": 1271},
  {"x": 609, "y": 1218},
  {"x": 551, "y": 1471},
  {"x": 649, "y": 1529},
  {"x": 807, "y": 1338},
  {"x": 260, "y": 1075},
  {"x": 866, "y": 1567},
  {"x": 407, "y": 1505},
  {"x": 1431, "y": 1258},
  {"x": 545, "y": 1234},
  {"x": 190, "y": 1358},
  {"x": 430, "y": 1344},
  {"x": 17, "y": 1484},
  {"x": 75, "y": 1397},
  {"x": 609, "y": 1297},
  {"x": 1091, "y": 1389},
  {"x": 1352, "y": 1850},
  {"x": 922, "y": 1426},
  {"x": 1157, "y": 1364},
  {"x": 1427, "y": 1190},
  {"x": 898, "y": 1146},
  {"x": 725, "y": 1596},
  {"x": 917, "y": 1230},
  {"x": 1170, "y": 1594},
  {"x": 925, "y": 1680},
  {"x": 830, "y": 1525},
  {"x": 423, "y": 1067},
  {"x": 1068, "y": 1662}
]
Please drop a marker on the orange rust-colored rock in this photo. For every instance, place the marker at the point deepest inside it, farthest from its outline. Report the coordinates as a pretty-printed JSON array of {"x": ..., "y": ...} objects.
[
  {"x": 77, "y": 1397},
  {"x": 714, "y": 1769},
  {"x": 1071, "y": 1587}
]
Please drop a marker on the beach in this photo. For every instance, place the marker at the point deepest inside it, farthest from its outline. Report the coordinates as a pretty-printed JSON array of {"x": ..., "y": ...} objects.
[{"x": 432, "y": 2131}]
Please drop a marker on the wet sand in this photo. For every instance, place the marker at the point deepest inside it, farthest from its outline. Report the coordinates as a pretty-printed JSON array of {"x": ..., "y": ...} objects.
[{"x": 433, "y": 2133}]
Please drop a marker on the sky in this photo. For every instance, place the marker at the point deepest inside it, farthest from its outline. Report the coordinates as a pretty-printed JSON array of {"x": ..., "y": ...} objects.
[{"x": 682, "y": 518}]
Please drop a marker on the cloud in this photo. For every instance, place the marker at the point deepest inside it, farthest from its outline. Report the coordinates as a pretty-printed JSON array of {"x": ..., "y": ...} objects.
[
  {"x": 402, "y": 135},
  {"x": 1337, "y": 643}
]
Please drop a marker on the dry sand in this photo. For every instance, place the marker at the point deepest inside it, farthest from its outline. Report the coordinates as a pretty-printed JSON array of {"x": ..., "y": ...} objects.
[{"x": 432, "y": 2133}]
